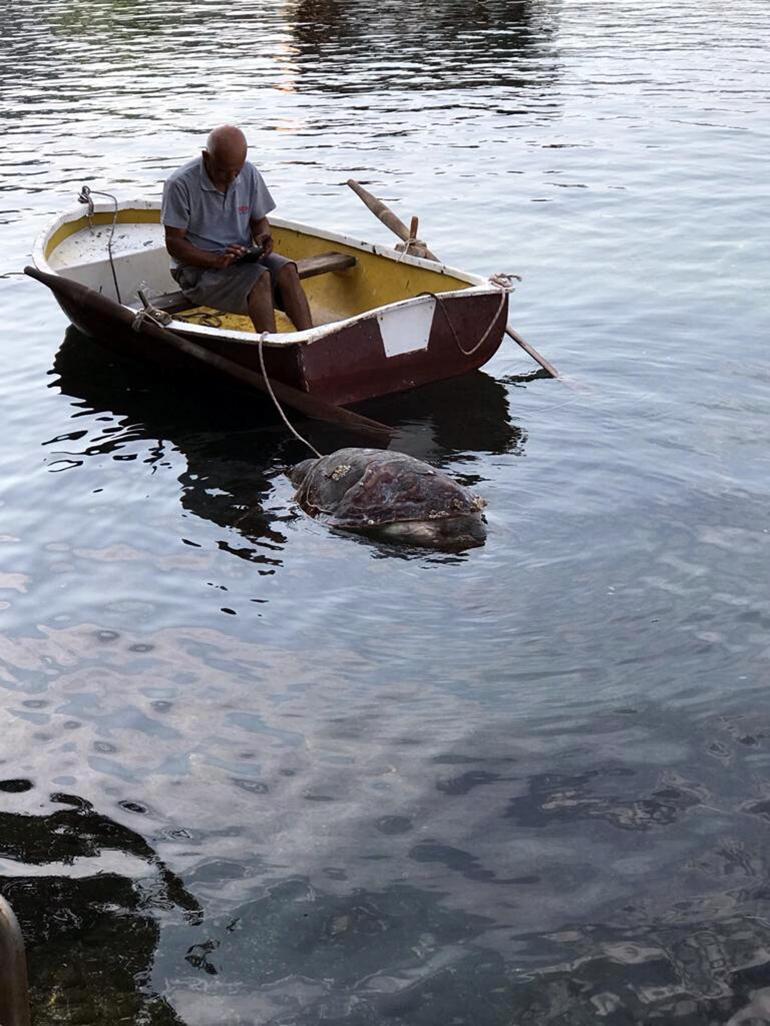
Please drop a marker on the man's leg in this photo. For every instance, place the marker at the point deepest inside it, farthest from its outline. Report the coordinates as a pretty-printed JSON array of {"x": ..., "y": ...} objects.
[
  {"x": 260, "y": 304},
  {"x": 293, "y": 297}
]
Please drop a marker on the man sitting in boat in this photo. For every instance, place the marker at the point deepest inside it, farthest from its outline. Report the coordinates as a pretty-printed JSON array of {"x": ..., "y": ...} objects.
[{"x": 214, "y": 212}]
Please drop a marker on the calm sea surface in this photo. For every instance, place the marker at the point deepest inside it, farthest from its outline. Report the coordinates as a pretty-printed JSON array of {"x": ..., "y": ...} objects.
[{"x": 253, "y": 772}]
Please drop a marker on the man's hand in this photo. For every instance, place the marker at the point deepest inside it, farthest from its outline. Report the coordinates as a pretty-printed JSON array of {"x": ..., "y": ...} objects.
[
  {"x": 227, "y": 257},
  {"x": 265, "y": 240},
  {"x": 186, "y": 253},
  {"x": 261, "y": 234}
]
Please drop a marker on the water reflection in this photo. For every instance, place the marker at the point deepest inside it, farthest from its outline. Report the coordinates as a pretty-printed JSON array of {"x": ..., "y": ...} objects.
[
  {"x": 463, "y": 417},
  {"x": 415, "y": 46},
  {"x": 420, "y": 766},
  {"x": 234, "y": 446},
  {"x": 484, "y": 889},
  {"x": 300, "y": 956},
  {"x": 88, "y": 911},
  {"x": 394, "y": 46},
  {"x": 311, "y": 955}
]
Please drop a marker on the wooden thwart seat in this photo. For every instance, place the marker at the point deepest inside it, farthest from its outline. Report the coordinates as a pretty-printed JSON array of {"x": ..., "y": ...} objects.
[
  {"x": 324, "y": 262},
  {"x": 175, "y": 302}
]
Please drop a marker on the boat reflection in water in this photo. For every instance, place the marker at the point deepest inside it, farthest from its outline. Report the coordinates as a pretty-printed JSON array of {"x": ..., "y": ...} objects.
[
  {"x": 234, "y": 444},
  {"x": 330, "y": 45},
  {"x": 451, "y": 420},
  {"x": 414, "y": 46}
]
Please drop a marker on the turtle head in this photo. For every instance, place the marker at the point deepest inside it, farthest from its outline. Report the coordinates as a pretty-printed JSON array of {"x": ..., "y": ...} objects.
[{"x": 298, "y": 473}]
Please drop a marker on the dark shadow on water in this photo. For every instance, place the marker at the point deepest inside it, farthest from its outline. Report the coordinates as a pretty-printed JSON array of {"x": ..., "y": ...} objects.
[
  {"x": 453, "y": 419},
  {"x": 91, "y": 932},
  {"x": 234, "y": 444}
]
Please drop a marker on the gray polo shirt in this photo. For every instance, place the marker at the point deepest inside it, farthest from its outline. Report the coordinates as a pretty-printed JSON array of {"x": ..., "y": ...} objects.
[{"x": 214, "y": 219}]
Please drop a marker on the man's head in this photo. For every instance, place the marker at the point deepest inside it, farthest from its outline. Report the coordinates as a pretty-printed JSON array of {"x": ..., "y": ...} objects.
[{"x": 225, "y": 155}]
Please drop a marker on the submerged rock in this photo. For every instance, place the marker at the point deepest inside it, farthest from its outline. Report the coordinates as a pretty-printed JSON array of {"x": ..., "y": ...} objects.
[{"x": 390, "y": 495}]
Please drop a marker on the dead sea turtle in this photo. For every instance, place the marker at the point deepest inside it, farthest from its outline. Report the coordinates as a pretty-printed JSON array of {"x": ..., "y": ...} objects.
[{"x": 391, "y": 495}]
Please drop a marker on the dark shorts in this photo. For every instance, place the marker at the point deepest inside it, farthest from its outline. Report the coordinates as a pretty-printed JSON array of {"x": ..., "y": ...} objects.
[{"x": 228, "y": 288}]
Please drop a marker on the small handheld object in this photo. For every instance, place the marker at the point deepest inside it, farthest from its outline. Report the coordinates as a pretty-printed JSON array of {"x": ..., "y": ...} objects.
[{"x": 251, "y": 255}]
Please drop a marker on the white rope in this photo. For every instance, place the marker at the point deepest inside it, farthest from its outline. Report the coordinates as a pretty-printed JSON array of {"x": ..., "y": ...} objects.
[
  {"x": 504, "y": 281},
  {"x": 407, "y": 245},
  {"x": 161, "y": 318},
  {"x": 412, "y": 242},
  {"x": 278, "y": 407},
  {"x": 501, "y": 281}
]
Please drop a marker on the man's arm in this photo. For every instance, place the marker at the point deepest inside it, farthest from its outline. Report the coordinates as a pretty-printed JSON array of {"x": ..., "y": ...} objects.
[
  {"x": 175, "y": 217},
  {"x": 186, "y": 253},
  {"x": 261, "y": 234}
]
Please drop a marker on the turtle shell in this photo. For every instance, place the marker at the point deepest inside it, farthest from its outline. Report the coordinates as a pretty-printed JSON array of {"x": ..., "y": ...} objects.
[{"x": 360, "y": 489}]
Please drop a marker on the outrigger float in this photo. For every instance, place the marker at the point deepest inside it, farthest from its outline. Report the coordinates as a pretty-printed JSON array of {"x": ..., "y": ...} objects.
[{"x": 384, "y": 321}]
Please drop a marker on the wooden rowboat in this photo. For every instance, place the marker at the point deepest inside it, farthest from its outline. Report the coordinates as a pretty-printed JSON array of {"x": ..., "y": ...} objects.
[{"x": 384, "y": 321}]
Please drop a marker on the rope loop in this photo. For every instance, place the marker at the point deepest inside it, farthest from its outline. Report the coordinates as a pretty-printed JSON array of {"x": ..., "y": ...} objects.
[
  {"x": 206, "y": 320},
  {"x": 405, "y": 248},
  {"x": 501, "y": 281},
  {"x": 504, "y": 281}
]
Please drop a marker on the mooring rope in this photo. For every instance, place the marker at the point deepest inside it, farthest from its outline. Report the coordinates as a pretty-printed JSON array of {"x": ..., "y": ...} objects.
[
  {"x": 501, "y": 281},
  {"x": 273, "y": 396},
  {"x": 162, "y": 318}
]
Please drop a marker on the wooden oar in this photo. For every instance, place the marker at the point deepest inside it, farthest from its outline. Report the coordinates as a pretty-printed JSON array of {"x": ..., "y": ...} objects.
[
  {"x": 386, "y": 215},
  {"x": 532, "y": 352},
  {"x": 389, "y": 219},
  {"x": 78, "y": 295}
]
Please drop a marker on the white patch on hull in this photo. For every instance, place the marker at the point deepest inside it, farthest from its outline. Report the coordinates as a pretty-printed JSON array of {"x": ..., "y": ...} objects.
[{"x": 407, "y": 330}]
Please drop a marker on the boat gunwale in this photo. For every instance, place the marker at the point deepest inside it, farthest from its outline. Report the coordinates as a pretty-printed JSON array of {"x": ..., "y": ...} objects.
[{"x": 478, "y": 285}]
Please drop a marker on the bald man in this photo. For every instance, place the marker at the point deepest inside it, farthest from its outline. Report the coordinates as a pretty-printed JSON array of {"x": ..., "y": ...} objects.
[{"x": 215, "y": 209}]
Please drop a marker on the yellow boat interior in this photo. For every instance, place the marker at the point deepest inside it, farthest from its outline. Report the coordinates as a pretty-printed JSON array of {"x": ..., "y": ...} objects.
[{"x": 371, "y": 277}]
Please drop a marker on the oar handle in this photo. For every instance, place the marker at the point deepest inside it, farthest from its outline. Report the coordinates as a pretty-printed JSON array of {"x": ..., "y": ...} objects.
[{"x": 386, "y": 215}]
